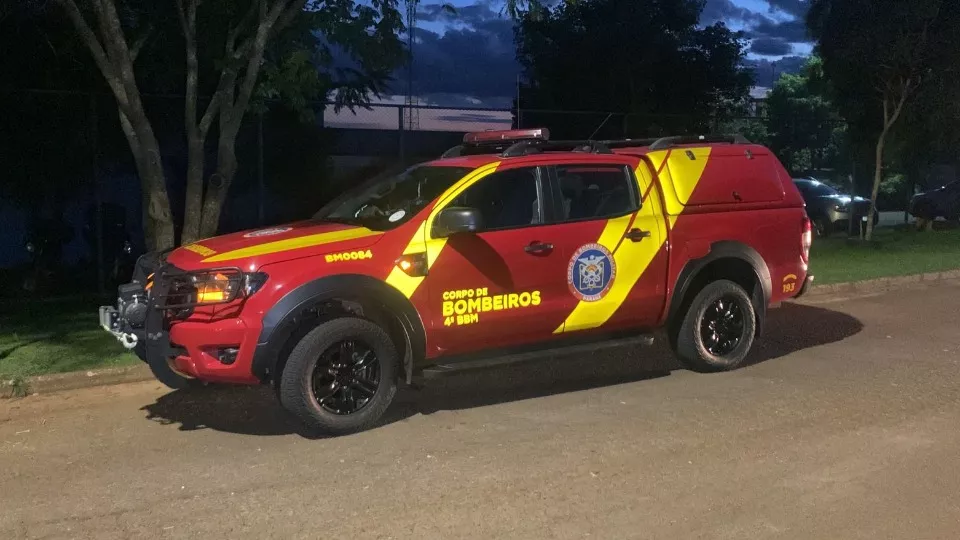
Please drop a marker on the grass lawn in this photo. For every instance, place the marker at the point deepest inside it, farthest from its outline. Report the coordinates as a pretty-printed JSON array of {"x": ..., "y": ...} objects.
[
  {"x": 900, "y": 252},
  {"x": 54, "y": 336}
]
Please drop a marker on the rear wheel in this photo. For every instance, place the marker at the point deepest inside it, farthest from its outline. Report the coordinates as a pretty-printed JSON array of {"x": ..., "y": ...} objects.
[
  {"x": 821, "y": 227},
  {"x": 718, "y": 330},
  {"x": 341, "y": 377}
]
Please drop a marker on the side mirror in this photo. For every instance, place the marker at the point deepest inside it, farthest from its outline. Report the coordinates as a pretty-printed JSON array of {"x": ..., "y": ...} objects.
[{"x": 454, "y": 220}]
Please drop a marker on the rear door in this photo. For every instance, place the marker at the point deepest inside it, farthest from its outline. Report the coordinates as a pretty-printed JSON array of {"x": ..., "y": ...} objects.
[{"x": 612, "y": 232}]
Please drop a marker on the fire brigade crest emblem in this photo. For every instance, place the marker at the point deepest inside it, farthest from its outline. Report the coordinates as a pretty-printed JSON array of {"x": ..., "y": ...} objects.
[{"x": 591, "y": 272}]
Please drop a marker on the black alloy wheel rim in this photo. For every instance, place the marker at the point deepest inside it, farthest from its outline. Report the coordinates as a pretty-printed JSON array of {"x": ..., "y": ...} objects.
[
  {"x": 721, "y": 327},
  {"x": 346, "y": 377}
]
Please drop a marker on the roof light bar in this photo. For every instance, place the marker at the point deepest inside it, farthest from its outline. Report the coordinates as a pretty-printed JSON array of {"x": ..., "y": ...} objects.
[{"x": 477, "y": 137}]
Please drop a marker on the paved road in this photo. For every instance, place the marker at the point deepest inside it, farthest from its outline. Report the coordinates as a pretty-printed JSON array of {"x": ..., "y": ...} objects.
[{"x": 846, "y": 427}]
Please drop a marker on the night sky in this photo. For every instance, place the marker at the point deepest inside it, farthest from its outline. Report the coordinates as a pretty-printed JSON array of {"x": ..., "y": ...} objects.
[{"x": 470, "y": 58}]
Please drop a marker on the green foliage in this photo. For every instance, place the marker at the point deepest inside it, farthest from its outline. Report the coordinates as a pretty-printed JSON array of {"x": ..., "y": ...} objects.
[
  {"x": 651, "y": 59},
  {"x": 901, "y": 252},
  {"x": 805, "y": 128}
]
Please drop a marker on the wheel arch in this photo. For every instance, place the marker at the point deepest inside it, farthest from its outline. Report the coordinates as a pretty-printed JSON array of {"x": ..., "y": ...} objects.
[
  {"x": 727, "y": 259},
  {"x": 328, "y": 297}
]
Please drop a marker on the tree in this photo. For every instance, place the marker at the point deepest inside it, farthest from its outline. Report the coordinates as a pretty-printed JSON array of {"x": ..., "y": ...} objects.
[
  {"x": 227, "y": 47},
  {"x": 805, "y": 129},
  {"x": 650, "y": 59},
  {"x": 877, "y": 53}
]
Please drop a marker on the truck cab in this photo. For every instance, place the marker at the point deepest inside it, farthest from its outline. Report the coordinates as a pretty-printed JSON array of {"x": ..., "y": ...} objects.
[{"x": 508, "y": 247}]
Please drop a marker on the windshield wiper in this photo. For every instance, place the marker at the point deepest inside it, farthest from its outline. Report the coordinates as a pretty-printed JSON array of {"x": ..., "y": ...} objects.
[{"x": 341, "y": 220}]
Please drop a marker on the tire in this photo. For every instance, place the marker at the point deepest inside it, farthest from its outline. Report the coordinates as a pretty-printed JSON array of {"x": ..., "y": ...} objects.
[
  {"x": 694, "y": 351},
  {"x": 822, "y": 227},
  {"x": 304, "y": 369}
]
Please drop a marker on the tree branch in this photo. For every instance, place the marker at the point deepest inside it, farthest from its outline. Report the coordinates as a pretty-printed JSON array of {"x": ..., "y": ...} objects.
[
  {"x": 88, "y": 37},
  {"x": 188, "y": 25},
  {"x": 245, "y": 21},
  {"x": 137, "y": 45},
  {"x": 290, "y": 13}
]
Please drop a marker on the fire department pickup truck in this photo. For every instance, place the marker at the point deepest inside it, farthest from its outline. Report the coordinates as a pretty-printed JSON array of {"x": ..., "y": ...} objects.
[{"x": 508, "y": 247}]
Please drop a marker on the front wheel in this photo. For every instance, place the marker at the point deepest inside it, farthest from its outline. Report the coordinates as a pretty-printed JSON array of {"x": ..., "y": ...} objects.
[
  {"x": 718, "y": 330},
  {"x": 341, "y": 377}
]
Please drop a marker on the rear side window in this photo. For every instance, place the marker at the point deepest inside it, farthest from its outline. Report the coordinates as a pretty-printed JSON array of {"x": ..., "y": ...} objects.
[{"x": 596, "y": 191}]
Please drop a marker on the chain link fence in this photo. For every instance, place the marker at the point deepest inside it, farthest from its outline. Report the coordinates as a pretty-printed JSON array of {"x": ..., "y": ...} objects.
[{"x": 63, "y": 157}]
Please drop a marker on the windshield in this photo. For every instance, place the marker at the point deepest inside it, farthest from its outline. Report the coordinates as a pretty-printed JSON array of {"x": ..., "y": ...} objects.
[{"x": 387, "y": 202}]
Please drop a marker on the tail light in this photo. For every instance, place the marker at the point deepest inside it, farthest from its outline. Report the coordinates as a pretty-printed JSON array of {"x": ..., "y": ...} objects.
[{"x": 806, "y": 240}]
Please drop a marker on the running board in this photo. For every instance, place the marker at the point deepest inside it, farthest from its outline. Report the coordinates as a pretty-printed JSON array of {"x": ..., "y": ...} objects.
[{"x": 451, "y": 367}]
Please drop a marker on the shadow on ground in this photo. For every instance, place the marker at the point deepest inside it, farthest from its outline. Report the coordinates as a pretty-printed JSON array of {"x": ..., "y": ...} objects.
[{"x": 255, "y": 411}]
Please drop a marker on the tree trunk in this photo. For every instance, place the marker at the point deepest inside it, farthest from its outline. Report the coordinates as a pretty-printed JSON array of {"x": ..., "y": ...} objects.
[
  {"x": 158, "y": 226},
  {"x": 877, "y": 178},
  {"x": 218, "y": 187},
  {"x": 193, "y": 203}
]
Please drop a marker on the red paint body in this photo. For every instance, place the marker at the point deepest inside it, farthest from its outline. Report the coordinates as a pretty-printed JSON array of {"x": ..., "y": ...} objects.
[{"x": 766, "y": 215}]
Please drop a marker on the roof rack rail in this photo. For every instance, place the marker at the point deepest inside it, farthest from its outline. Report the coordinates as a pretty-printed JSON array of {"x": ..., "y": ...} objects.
[
  {"x": 667, "y": 142},
  {"x": 524, "y": 148},
  {"x": 630, "y": 143}
]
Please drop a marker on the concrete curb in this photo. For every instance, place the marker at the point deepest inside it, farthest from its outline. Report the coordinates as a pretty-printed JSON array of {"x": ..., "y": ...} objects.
[
  {"x": 880, "y": 284},
  {"x": 59, "y": 382}
]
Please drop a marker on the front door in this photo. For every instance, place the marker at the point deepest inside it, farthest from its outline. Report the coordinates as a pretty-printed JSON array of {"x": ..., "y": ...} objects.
[{"x": 504, "y": 285}]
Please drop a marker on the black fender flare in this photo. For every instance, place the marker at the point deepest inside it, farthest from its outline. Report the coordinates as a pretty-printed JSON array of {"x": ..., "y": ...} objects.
[
  {"x": 725, "y": 249},
  {"x": 280, "y": 321}
]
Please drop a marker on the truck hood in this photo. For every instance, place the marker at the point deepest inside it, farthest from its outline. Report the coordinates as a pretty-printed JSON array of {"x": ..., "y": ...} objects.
[{"x": 252, "y": 249}]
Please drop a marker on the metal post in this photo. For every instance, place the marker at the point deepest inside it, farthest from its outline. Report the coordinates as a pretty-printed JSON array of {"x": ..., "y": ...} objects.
[
  {"x": 97, "y": 192},
  {"x": 260, "y": 185},
  {"x": 400, "y": 134},
  {"x": 519, "y": 114},
  {"x": 853, "y": 193}
]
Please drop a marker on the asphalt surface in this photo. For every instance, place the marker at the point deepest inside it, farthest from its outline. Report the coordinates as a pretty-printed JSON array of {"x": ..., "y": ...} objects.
[{"x": 845, "y": 427}]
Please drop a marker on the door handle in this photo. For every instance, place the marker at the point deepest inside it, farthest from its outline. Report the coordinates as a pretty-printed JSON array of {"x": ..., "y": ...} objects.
[
  {"x": 637, "y": 235},
  {"x": 538, "y": 248}
]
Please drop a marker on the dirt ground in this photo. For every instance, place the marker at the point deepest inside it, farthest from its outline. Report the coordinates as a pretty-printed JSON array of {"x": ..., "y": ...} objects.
[{"x": 844, "y": 427}]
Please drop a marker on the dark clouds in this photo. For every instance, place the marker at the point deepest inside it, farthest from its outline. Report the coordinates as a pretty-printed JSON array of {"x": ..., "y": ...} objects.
[
  {"x": 473, "y": 61},
  {"x": 797, "y": 8},
  {"x": 773, "y": 33},
  {"x": 475, "y": 56},
  {"x": 727, "y": 11},
  {"x": 769, "y": 46}
]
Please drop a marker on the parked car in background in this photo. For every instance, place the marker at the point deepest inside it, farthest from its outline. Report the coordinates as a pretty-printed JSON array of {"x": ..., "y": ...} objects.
[
  {"x": 830, "y": 209},
  {"x": 942, "y": 202}
]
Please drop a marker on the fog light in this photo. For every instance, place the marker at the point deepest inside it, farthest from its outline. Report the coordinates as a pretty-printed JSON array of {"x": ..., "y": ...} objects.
[{"x": 227, "y": 355}]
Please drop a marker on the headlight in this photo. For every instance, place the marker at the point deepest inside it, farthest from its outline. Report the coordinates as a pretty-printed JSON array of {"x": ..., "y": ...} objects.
[
  {"x": 841, "y": 207},
  {"x": 215, "y": 288},
  {"x": 224, "y": 286}
]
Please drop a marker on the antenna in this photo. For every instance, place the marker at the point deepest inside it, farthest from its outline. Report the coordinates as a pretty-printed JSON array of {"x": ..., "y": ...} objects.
[{"x": 605, "y": 120}]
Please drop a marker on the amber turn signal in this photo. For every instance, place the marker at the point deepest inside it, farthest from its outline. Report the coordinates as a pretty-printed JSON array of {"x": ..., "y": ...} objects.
[{"x": 413, "y": 264}]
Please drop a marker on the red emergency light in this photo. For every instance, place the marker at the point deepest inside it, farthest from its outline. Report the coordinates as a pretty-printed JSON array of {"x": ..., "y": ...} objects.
[{"x": 477, "y": 137}]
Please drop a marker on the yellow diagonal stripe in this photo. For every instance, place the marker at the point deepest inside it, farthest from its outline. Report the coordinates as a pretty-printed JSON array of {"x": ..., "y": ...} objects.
[
  {"x": 593, "y": 314},
  {"x": 406, "y": 284},
  {"x": 294, "y": 243},
  {"x": 680, "y": 176},
  {"x": 678, "y": 180}
]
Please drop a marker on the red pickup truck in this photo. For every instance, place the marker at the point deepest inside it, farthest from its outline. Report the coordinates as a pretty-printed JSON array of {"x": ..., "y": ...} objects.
[{"x": 508, "y": 247}]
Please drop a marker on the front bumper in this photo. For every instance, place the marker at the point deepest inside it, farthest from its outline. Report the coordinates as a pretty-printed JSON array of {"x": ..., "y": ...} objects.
[{"x": 214, "y": 350}]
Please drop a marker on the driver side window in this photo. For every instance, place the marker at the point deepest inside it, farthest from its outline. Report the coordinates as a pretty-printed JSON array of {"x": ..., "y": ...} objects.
[{"x": 506, "y": 199}]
